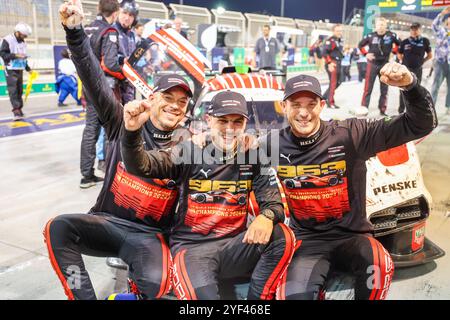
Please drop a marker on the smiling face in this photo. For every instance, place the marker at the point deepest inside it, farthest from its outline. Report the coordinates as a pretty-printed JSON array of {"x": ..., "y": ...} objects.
[
  {"x": 168, "y": 108},
  {"x": 303, "y": 113},
  {"x": 126, "y": 19},
  {"x": 226, "y": 130}
]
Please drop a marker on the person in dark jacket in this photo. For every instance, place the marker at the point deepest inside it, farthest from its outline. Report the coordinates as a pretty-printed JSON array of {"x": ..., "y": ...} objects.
[
  {"x": 377, "y": 47},
  {"x": 413, "y": 53}
]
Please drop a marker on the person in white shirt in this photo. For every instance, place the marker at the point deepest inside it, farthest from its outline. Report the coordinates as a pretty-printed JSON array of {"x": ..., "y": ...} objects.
[{"x": 66, "y": 82}]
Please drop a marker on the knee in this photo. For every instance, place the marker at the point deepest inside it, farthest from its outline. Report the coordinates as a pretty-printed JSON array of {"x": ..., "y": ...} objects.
[
  {"x": 154, "y": 284},
  {"x": 57, "y": 231},
  {"x": 283, "y": 234},
  {"x": 301, "y": 290}
]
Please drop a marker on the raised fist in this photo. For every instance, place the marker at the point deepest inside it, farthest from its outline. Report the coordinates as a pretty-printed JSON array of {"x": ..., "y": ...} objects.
[
  {"x": 71, "y": 14},
  {"x": 135, "y": 114},
  {"x": 395, "y": 74}
]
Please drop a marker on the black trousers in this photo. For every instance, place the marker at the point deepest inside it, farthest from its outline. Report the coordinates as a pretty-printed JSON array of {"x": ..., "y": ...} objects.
[
  {"x": 372, "y": 72},
  {"x": 334, "y": 82},
  {"x": 14, "y": 82},
  {"x": 91, "y": 133},
  {"x": 362, "y": 66},
  {"x": 142, "y": 247},
  {"x": 198, "y": 267},
  {"x": 361, "y": 255},
  {"x": 402, "y": 105},
  {"x": 345, "y": 74}
]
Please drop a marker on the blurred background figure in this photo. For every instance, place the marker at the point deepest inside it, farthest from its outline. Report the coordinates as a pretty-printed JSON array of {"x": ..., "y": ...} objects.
[
  {"x": 266, "y": 50},
  {"x": 441, "y": 28},
  {"x": 361, "y": 63},
  {"x": 178, "y": 25},
  {"x": 412, "y": 54},
  {"x": 138, "y": 32},
  {"x": 13, "y": 51},
  {"x": 66, "y": 82},
  {"x": 346, "y": 64},
  {"x": 128, "y": 18}
]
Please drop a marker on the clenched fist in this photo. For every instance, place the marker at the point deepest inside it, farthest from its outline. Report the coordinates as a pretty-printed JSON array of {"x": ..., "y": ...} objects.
[
  {"x": 135, "y": 114},
  {"x": 71, "y": 14},
  {"x": 395, "y": 74}
]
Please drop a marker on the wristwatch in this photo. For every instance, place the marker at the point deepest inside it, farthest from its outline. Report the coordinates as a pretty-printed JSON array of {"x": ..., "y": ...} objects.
[
  {"x": 268, "y": 214},
  {"x": 411, "y": 85}
]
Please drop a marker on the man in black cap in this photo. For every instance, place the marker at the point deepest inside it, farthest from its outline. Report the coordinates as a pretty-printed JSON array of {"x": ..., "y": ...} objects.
[
  {"x": 413, "y": 53},
  {"x": 127, "y": 19},
  {"x": 321, "y": 166},
  {"x": 209, "y": 237},
  {"x": 131, "y": 215}
]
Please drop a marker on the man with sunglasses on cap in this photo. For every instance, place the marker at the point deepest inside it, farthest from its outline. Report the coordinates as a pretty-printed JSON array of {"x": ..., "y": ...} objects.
[
  {"x": 209, "y": 238},
  {"x": 131, "y": 215},
  {"x": 321, "y": 166},
  {"x": 413, "y": 53}
]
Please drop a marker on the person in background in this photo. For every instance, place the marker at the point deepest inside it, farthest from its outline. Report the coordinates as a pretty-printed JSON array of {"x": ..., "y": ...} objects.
[
  {"x": 346, "y": 64},
  {"x": 266, "y": 50},
  {"x": 128, "y": 17},
  {"x": 333, "y": 54},
  {"x": 377, "y": 46},
  {"x": 66, "y": 82},
  {"x": 103, "y": 39},
  {"x": 138, "y": 32},
  {"x": 13, "y": 51},
  {"x": 315, "y": 52},
  {"x": 361, "y": 63},
  {"x": 412, "y": 54},
  {"x": 178, "y": 24},
  {"x": 142, "y": 63},
  {"x": 441, "y": 27}
]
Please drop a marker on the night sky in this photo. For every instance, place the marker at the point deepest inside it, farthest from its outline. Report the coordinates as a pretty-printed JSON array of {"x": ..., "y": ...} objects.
[{"x": 302, "y": 9}]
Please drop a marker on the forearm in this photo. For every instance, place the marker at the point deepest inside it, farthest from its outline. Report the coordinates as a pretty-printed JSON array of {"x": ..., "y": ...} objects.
[
  {"x": 418, "y": 121},
  {"x": 5, "y": 52},
  {"x": 150, "y": 164},
  {"x": 98, "y": 91},
  {"x": 420, "y": 114}
]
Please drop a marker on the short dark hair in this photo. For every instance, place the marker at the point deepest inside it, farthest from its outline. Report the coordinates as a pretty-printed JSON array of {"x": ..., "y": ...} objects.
[
  {"x": 107, "y": 7},
  {"x": 65, "y": 53},
  {"x": 415, "y": 25},
  {"x": 266, "y": 26}
]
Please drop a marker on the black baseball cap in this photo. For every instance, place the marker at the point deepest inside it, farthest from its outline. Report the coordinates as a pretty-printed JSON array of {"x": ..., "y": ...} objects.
[
  {"x": 170, "y": 81},
  {"x": 415, "y": 25},
  {"x": 228, "y": 102},
  {"x": 302, "y": 83}
]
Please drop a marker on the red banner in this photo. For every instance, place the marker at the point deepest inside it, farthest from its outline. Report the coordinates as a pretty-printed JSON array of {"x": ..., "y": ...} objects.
[{"x": 439, "y": 3}]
